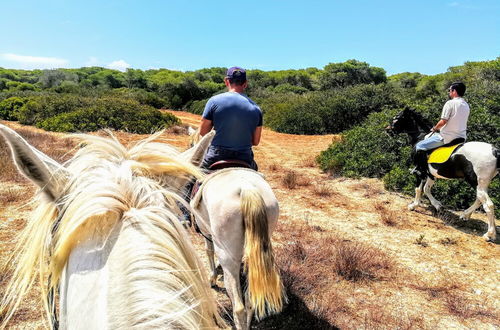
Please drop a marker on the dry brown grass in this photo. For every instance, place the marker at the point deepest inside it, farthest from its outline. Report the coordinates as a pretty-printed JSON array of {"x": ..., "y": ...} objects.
[
  {"x": 387, "y": 217},
  {"x": 9, "y": 173},
  {"x": 467, "y": 308},
  {"x": 448, "y": 241},
  {"x": 11, "y": 196},
  {"x": 452, "y": 292},
  {"x": 318, "y": 267},
  {"x": 377, "y": 318},
  {"x": 308, "y": 162},
  {"x": 275, "y": 167},
  {"x": 304, "y": 181},
  {"x": 355, "y": 261},
  {"x": 289, "y": 179},
  {"x": 414, "y": 294},
  {"x": 436, "y": 287},
  {"x": 323, "y": 190},
  {"x": 369, "y": 191},
  {"x": 178, "y": 130}
]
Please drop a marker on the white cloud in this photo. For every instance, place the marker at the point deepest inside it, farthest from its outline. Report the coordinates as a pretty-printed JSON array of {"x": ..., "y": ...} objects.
[
  {"x": 35, "y": 62},
  {"x": 119, "y": 65},
  {"x": 92, "y": 61}
]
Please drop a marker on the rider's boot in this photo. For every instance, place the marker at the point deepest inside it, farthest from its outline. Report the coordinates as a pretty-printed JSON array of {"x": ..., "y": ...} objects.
[
  {"x": 186, "y": 215},
  {"x": 420, "y": 160}
]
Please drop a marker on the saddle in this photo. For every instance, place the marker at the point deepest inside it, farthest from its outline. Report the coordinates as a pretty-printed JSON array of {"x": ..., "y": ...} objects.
[
  {"x": 221, "y": 164},
  {"x": 443, "y": 153},
  {"x": 228, "y": 163}
]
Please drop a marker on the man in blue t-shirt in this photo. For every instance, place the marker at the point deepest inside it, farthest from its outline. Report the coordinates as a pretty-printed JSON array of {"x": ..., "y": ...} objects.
[{"x": 237, "y": 121}]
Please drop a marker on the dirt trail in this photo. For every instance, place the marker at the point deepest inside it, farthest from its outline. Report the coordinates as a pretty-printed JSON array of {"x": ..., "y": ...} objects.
[{"x": 351, "y": 210}]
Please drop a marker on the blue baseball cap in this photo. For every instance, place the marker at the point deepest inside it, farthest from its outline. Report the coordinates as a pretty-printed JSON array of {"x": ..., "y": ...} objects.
[{"x": 236, "y": 73}]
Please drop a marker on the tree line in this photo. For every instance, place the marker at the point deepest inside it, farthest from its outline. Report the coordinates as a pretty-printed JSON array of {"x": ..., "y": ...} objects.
[{"x": 351, "y": 98}]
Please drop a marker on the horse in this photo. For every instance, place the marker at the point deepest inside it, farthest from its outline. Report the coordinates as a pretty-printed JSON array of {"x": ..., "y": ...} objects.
[
  {"x": 475, "y": 162},
  {"x": 106, "y": 240},
  {"x": 236, "y": 212}
]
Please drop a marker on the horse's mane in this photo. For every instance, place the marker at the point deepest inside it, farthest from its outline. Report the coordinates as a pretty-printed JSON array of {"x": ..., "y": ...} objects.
[
  {"x": 109, "y": 184},
  {"x": 423, "y": 122}
]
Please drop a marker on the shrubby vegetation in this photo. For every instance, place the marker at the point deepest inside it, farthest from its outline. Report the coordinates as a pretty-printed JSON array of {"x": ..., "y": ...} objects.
[{"x": 307, "y": 101}]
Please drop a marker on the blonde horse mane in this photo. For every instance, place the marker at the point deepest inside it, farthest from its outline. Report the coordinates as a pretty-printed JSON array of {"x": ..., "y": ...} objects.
[{"x": 109, "y": 185}]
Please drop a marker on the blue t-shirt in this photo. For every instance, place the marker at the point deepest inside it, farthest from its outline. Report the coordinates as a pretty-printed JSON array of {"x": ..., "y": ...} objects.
[{"x": 234, "y": 117}]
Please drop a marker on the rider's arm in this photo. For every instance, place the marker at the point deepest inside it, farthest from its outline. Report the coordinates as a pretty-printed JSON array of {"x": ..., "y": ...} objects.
[
  {"x": 439, "y": 125},
  {"x": 205, "y": 126},
  {"x": 256, "y": 135}
]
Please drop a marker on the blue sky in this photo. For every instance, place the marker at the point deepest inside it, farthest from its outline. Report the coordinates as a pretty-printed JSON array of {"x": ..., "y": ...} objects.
[{"x": 424, "y": 36}]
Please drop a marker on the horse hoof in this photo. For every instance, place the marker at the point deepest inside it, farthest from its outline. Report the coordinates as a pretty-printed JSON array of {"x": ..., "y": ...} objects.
[
  {"x": 412, "y": 206},
  {"x": 489, "y": 238},
  {"x": 464, "y": 217}
]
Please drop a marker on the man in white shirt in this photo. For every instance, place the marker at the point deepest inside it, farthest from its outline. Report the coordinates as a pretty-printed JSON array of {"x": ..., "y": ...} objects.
[{"x": 451, "y": 126}]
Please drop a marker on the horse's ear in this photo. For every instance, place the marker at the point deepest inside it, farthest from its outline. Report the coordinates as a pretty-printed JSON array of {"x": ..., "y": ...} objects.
[
  {"x": 196, "y": 153},
  {"x": 191, "y": 130},
  {"x": 34, "y": 164}
]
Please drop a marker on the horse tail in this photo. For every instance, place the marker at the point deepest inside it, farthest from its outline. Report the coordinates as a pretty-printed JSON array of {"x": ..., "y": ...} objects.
[{"x": 265, "y": 288}]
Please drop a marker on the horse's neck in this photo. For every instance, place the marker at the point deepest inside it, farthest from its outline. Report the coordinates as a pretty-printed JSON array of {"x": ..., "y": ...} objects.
[{"x": 420, "y": 130}]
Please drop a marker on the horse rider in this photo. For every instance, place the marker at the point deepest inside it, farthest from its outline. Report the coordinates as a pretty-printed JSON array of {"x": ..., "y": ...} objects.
[
  {"x": 451, "y": 126},
  {"x": 237, "y": 121}
]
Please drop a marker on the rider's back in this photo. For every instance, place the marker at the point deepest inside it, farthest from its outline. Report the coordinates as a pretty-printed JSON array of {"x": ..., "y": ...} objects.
[
  {"x": 235, "y": 117},
  {"x": 456, "y": 111}
]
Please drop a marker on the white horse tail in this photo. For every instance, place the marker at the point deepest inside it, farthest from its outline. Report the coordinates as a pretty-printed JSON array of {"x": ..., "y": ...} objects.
[{"x": 265, "y": 288}]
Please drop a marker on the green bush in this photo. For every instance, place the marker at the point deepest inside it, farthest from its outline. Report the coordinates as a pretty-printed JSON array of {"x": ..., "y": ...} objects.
[
  {"x": 325, "y": 112},
  {"x": 365, "y": 150},
  {"x": 197, "y": 107},
  {"x": 39, "y": 108},
  {"x": 117, "y": 114},
  {"x": 9, "y": 108}
]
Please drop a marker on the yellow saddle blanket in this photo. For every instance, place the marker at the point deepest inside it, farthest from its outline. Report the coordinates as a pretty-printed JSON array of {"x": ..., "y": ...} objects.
[{"x": 440, "y": 155}]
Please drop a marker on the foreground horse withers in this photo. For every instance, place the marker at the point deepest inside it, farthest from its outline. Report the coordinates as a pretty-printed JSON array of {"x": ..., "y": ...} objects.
[
  {"x": 476, "y": 162},
  {"x": 104, "y": 236},
  {"x": 238, "y": 211}
]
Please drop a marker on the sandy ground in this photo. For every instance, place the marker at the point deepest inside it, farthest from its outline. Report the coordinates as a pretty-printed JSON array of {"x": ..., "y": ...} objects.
[{"x": 451, "y": 250}]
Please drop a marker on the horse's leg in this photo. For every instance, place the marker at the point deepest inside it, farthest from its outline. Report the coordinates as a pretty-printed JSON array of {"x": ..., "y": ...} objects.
[
  {"x": 427, "y": 191},
  {"x": 482, "y": 195},
  {"x": 467, "y": 213},
  {"x": 209, "y": 245},
  {"x": 250, "y": 309},
  {"x": 418, "y": 195},
  {"x": 231, "y": 270}
]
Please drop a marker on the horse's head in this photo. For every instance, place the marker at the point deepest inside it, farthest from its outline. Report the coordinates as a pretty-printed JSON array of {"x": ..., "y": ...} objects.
[
  {"x": 403, "y": 122},
  {"x": 198, "y": 146},
  {"x": 104, "y": 184}
]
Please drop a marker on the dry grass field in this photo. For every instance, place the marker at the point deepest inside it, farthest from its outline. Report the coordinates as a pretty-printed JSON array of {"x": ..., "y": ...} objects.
[{"x": 351, "y": 255}]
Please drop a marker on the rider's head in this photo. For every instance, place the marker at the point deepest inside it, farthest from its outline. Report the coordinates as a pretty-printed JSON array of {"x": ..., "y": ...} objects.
[
  {"x": 459, "y": 87},
  {"x": 236, "y": 76}
]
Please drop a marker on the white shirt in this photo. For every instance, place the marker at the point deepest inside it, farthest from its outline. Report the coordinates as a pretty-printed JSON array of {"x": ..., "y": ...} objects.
[{"x": 456, "y": 112}]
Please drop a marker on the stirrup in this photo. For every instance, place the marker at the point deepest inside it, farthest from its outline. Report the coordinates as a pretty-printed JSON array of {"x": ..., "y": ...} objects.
[{"x": 416, "y": 171}]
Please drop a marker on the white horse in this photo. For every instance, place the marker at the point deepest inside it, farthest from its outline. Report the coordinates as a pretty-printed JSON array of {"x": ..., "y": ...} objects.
[
  {"x": 475, "y": 162},
  {"x": 104, "y": 236},
  {"x": 236, "y": 211}
]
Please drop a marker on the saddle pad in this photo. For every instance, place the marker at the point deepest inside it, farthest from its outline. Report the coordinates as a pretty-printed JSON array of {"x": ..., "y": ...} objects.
[{"x": 440, "y": 155}]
